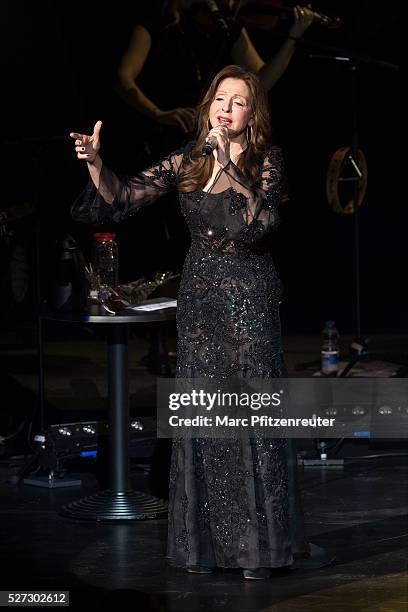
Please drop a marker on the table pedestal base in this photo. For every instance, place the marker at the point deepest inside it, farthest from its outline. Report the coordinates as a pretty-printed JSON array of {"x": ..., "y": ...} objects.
[{"x": 111, "y": 506}]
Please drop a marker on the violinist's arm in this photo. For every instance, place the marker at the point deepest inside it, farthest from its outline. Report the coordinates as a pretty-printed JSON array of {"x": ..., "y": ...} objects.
[
  {"x": 244, "y": 52},
  {"x": 276, "y": 66},
  {"x": 130, "y": 67},
  {"x": 127, "y": 88}
]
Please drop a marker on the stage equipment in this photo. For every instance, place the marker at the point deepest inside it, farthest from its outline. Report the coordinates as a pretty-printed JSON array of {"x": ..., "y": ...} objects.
[
  {"x": 344, "y": 169},
  {"x": 348, "y": 164},
  {"x": 63, "y": 441},
  {"x": 383, "y": 417}
]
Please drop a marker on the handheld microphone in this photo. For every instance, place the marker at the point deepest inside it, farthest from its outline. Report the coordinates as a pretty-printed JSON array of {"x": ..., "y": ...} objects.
[{"x": 209, "y": 146}]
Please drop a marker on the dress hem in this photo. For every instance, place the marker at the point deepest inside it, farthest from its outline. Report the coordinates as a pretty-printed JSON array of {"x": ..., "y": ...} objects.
[{"x": 172, "y": 563}]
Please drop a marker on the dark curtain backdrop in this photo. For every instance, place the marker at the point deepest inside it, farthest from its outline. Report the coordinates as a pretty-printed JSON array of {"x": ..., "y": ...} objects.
[{"x": 58, "y": 59}]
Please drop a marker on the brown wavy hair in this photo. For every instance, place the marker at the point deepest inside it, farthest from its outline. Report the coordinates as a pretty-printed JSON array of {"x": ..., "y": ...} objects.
[{"x": 196, "y": 170}]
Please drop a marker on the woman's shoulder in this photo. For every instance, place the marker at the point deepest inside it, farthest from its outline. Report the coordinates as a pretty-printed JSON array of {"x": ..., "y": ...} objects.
[
  {"x": 184, "y": 151},
  {"x": 273, "y": 149},
  {"x": 274, "y": 154},
  {"x": 179, "y": 157},
  {"x": 271, "y": 162}
]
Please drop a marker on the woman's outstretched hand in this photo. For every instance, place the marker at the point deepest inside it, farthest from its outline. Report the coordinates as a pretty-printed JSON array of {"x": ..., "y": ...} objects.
[{"x": 87, "y": 147}]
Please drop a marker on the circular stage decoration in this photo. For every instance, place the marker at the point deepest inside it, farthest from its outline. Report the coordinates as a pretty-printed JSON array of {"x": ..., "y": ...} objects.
[{"x": 343, "y": 173}]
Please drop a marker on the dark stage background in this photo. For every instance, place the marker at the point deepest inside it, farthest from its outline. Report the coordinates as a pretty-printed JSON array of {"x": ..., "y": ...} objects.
[{"x": 58, "y": 63}]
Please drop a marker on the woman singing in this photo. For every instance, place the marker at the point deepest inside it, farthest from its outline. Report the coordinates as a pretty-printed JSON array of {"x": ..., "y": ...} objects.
[{"x": 228, "y": 498}]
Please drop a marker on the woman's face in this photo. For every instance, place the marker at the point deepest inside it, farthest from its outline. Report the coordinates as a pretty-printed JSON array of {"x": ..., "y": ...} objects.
[{"x": 232, "y": 106}]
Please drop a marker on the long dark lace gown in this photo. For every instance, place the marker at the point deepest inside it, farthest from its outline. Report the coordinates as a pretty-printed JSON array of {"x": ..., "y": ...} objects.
[{"x": 228, "y": 502}]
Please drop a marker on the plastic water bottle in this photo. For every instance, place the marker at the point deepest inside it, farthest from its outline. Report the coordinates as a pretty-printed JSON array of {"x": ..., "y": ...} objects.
[
  {"x": 105, "y": 259},
  {"x": 330, "y": 349}
]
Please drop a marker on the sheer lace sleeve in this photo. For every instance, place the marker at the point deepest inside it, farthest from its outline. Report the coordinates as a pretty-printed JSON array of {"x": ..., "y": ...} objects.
[
  {"x": 116, "y": 198},
  {"x": 260, "y": 201}
]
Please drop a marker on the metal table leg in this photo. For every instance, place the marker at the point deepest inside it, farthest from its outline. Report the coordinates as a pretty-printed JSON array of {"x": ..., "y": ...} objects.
[{"x": 119, "y": 502}]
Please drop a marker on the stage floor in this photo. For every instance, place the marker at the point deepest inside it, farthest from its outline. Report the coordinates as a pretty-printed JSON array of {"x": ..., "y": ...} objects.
[{"x": 358, "y": 513}]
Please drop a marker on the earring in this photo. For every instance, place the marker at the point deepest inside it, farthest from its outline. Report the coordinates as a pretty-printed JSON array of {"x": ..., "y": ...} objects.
[{"x": 248, "y": 133}]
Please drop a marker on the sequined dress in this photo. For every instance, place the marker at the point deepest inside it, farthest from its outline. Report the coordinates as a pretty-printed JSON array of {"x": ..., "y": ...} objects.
[{"x": 228, "y": 503}]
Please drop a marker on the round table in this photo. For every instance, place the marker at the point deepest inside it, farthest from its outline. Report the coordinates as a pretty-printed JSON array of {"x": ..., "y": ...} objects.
[{"x": 119, "y": 501}]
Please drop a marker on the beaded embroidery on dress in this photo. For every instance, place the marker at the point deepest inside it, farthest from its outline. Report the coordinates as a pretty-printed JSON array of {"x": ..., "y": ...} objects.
[{"x": 228, "y": 502}]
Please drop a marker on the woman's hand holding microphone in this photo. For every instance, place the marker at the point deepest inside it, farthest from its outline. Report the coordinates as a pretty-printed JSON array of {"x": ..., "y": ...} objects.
[{"x": 220, "y": 138}]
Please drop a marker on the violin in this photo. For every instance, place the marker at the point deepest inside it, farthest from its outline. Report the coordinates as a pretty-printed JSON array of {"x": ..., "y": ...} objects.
[
  {"x": 262, "y": 14},
  {"x": 275, "y": 10}
]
